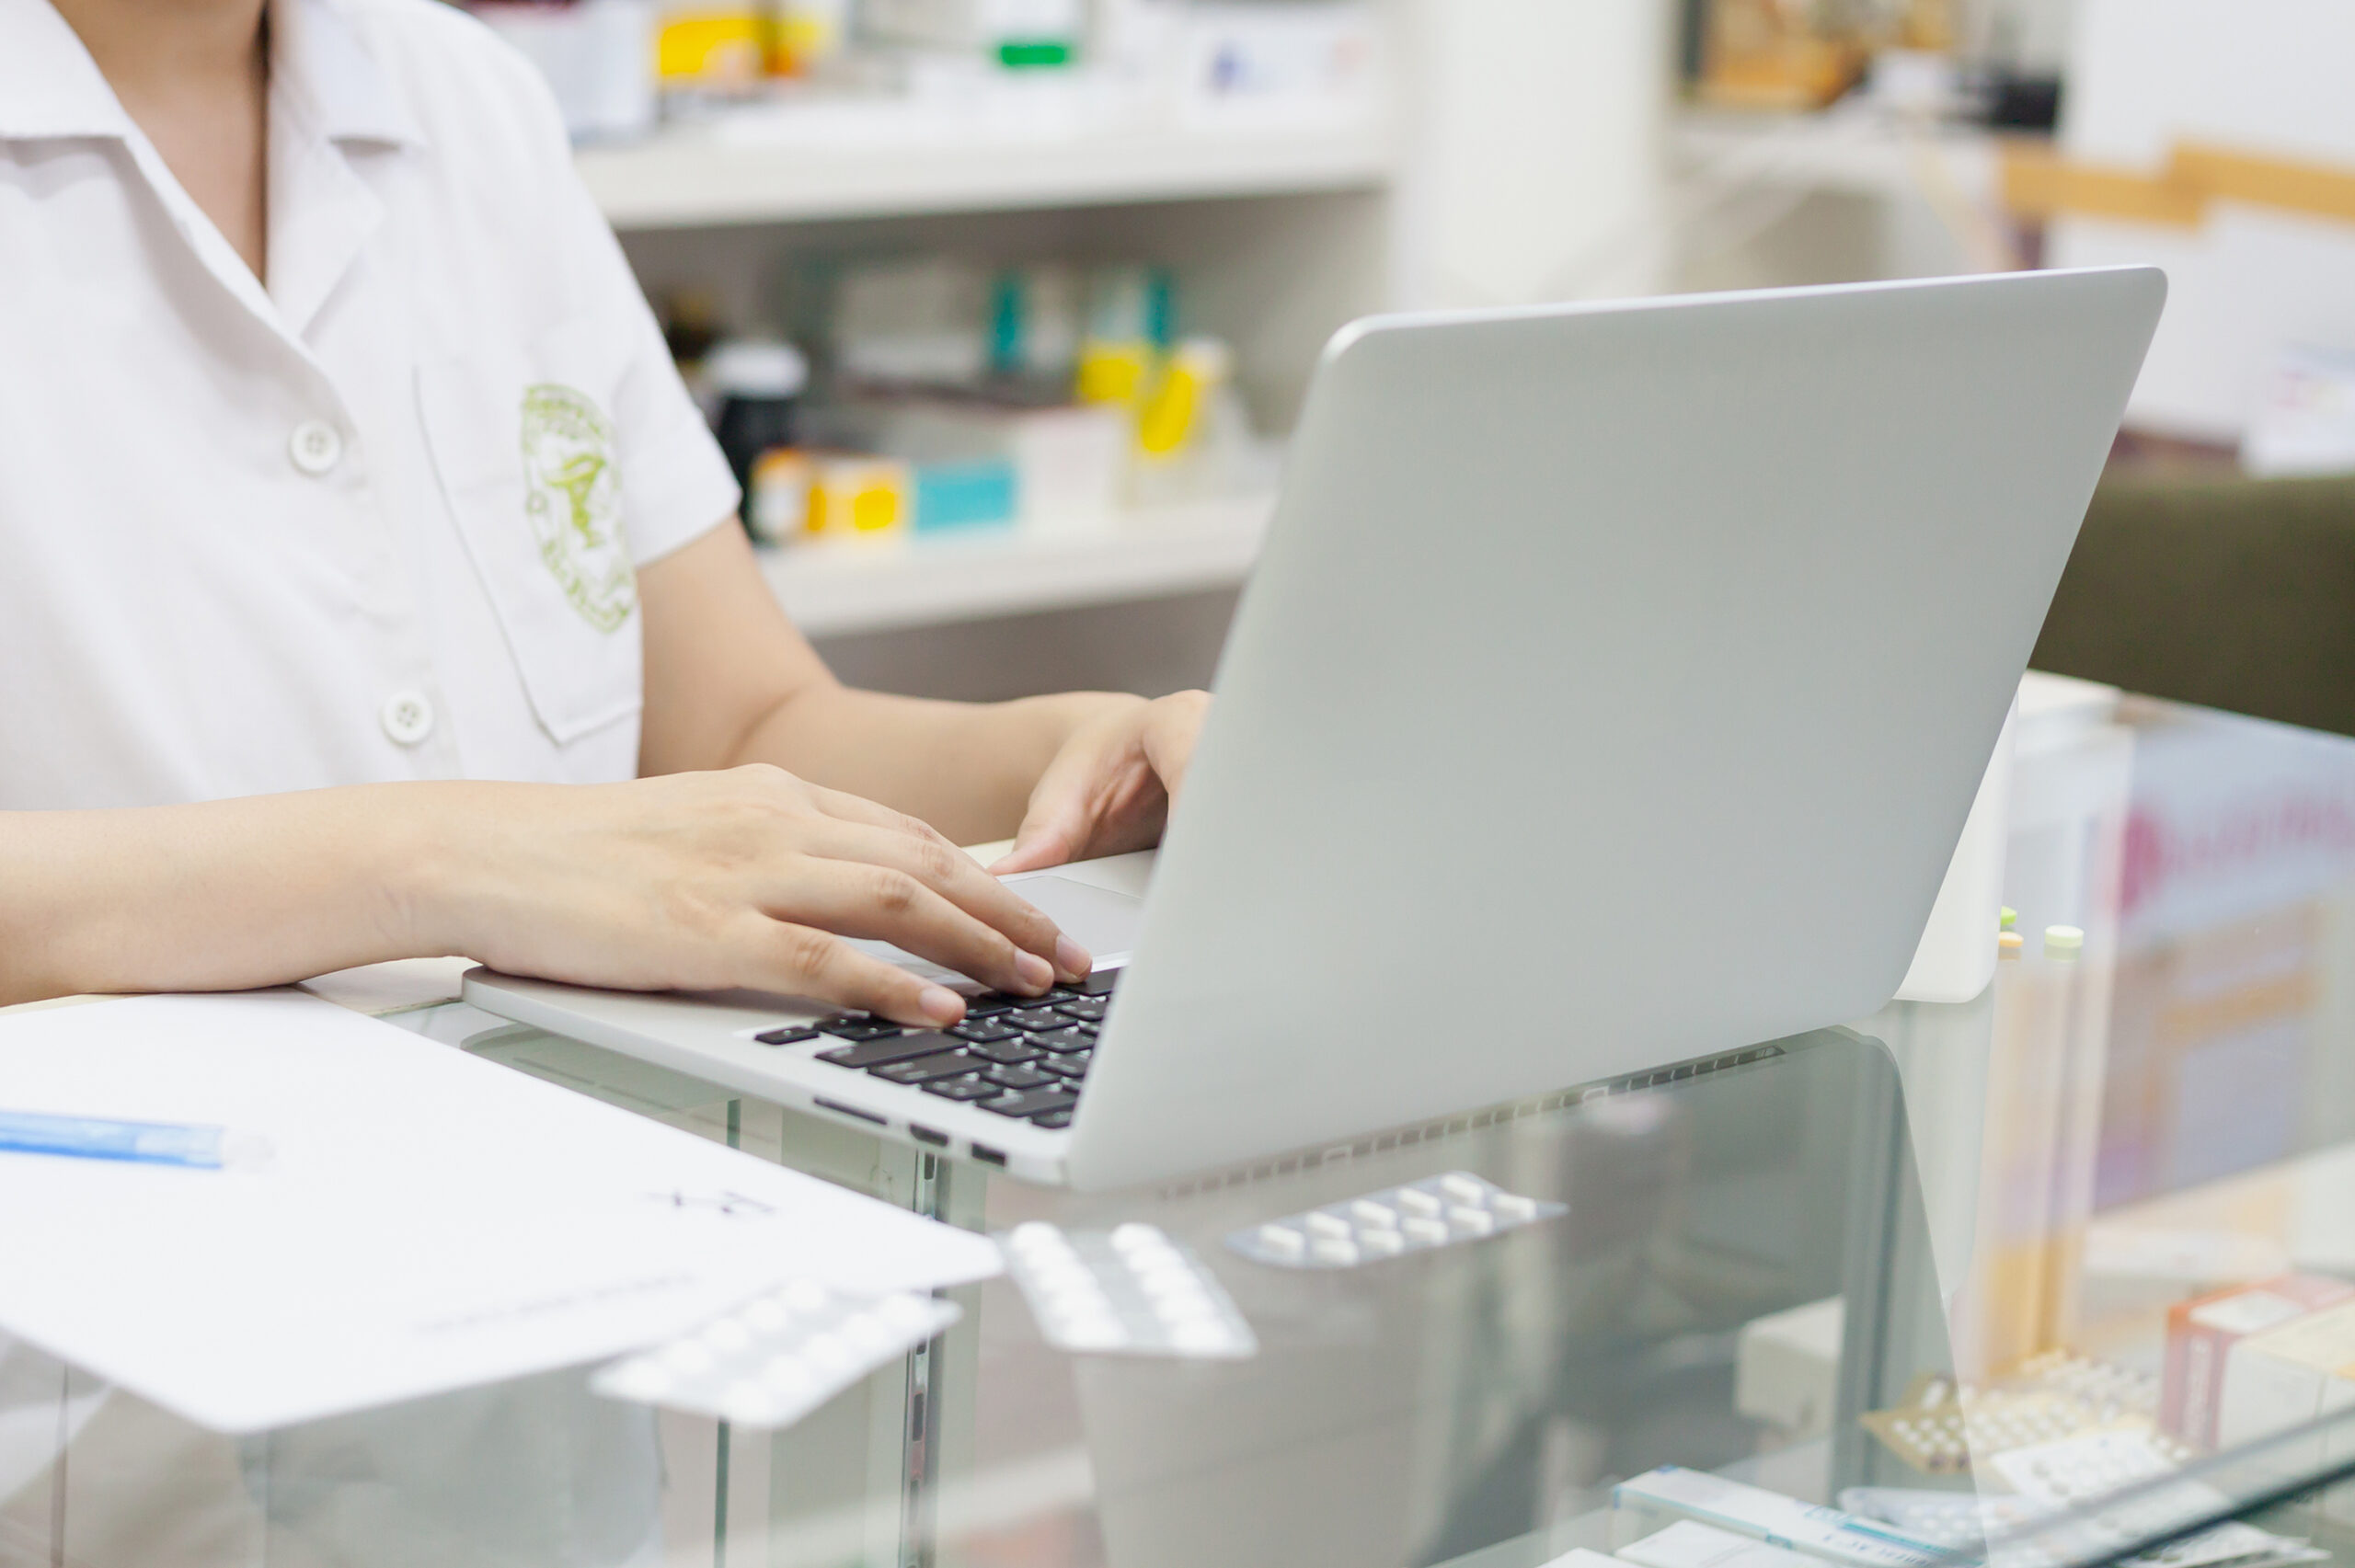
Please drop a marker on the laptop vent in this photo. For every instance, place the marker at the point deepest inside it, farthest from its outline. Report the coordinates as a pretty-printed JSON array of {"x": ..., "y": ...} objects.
[{"x": 1494, "y": 1116}]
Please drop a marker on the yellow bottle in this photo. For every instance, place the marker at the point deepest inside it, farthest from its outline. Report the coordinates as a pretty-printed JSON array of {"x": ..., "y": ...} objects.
[{"x": 1173, "y": 413}]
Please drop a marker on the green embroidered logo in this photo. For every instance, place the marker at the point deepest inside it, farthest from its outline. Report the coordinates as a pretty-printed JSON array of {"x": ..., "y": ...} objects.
[{"x": 572, "y": 495}]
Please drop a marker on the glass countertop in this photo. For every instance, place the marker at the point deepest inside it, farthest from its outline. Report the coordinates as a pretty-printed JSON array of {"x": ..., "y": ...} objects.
[{"x": 2050, "y": 1276}]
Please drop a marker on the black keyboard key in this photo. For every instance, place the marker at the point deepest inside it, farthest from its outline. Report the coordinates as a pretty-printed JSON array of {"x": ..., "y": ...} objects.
[
  {"x": 1090, "y": 1009},
  {"x": 1053, "y": 1121},
  {"x": 1072, "y": 1065},
  {"x": 992, "y": 1001},
  {"x": 1061, "y": 1040},
  {"x": 924, "y": 1069},
  {"x": 859, "y": 1028},
  {"x": 1036, "y": 1018},
  {"x": 972, "y": 1086},
  {"x": 1020, "y": 1077},
  {"x": 1099, "y": 983},
  {"x": 983, "y": 1029},
  {"x": 1008, "y": 1052},
  {"x": 893, "y": 1047},
  {"x": 791, "y": 1035},
  {"x": 1090, "y": 1030},
  {"x": 1025, "y": 1103}
]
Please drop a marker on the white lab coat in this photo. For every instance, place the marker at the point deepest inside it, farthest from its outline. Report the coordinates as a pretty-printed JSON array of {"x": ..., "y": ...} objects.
[{"x": 379, "y": 521}]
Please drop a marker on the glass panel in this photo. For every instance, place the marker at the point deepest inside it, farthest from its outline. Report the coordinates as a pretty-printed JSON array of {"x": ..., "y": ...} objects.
[
  {"x": 2156, "y": 1319},
  {"x": 2071, "y": 1263},
  {"x": 1416, "y": 1409}
]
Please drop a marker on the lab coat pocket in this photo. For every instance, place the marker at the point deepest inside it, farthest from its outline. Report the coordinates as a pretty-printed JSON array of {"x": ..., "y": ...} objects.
[{"x": 525, "y": 450}]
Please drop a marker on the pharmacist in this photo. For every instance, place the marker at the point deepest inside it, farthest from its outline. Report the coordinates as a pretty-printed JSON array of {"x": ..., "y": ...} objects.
[{"x": 368, "y": 582}]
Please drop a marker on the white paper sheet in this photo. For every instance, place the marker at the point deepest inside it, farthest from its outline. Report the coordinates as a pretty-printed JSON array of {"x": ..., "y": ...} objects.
[{"x": 426, "y": 1221}]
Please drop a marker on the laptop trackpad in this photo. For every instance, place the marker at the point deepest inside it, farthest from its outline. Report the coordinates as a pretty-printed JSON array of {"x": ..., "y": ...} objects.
[{"x": 1100, "y": 919}]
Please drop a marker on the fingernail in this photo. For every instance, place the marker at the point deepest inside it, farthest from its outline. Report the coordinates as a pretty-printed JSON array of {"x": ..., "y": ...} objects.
[
  {"x": 1072, "y": 958},
  {"x": 1033, "y": 971},
  {"x": 940, "y": 1002}
]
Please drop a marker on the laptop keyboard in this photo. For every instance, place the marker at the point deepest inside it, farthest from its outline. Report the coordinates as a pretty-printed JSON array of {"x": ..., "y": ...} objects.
[{"x": 1021, "y": 1057}]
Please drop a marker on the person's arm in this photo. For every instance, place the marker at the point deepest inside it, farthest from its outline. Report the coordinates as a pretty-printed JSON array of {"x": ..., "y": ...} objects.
[
  {"x": 748, "y": 878},
  {"x": 215, "y": 897},
  {"x": 729, "y": 680}
]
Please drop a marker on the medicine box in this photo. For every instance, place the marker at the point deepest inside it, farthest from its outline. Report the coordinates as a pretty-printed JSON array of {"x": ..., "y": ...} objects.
[
  {"x": 1057, "y": 467},
  {"x": 1309, "y": 64},
  {"x": 2288, "y": 1376},
  {"x": 1017, "y": 33},
  {"x": 855, "y": 497},
  {"x": 2202, "y": 1332}
]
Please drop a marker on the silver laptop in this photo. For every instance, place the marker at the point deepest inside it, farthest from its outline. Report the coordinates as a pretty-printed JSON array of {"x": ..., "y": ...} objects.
[{"x": 1610, "y": 694}]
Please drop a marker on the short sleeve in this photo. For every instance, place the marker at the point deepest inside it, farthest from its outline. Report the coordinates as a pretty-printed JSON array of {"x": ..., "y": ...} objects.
[
  {"x": 676, "y": 485},
  {"x": 556, "y": 263}
]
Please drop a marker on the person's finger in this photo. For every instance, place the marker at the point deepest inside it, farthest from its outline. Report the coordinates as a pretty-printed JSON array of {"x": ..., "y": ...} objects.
[
  {"x": 861, "y": 898},
  {"x": 1040, "y": 844},
  {"x": 1110, "y": 796},
  {"x": 952, "y": 874},
  {"x": 800, "y": 960},
  {"x": 1061, "y": 812}
]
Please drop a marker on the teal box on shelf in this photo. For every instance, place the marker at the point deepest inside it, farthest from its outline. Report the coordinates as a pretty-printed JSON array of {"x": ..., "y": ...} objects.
[{"x": 979, "y": 494}]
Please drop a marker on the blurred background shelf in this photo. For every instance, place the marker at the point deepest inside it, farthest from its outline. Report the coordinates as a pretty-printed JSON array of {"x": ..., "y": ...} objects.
[
  {"x": 1847, "y": 194},
  {"x": 1862, "y": 154},
  {"x": 1154, "y": 553},
  {"x": 856, "y": 161},
  {"x": 1472, "y": 155}
]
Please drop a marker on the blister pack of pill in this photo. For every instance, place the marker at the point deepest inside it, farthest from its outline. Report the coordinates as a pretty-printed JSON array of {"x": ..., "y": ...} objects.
[
  {"x": 778, "y": 1357},
  {"x": 1437, "y": 1211},
  {"x": 1941, "y": 1428},
  {"x": 1127, "y": 1291},
  {"x": 1940, "y": 1438},
  {"x": 2091, "y": 1465}
]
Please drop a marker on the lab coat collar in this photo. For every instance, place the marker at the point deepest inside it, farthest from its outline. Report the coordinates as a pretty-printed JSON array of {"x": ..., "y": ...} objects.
[
  {"x": 49, "y": 85},
  {"x": 49, "y": 88},
  {"x": 329, "y": 99},
  {"x": 327, "y": 74}
]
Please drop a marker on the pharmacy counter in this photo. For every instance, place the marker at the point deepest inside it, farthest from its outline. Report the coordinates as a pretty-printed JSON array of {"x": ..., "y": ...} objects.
[{"x": 1859, "y": 1297}]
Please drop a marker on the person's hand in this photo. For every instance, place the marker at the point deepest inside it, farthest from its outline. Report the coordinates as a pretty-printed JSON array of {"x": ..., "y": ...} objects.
[
  {"x": 1108, "y": 789},
  {"x": 749, "y": 877}
]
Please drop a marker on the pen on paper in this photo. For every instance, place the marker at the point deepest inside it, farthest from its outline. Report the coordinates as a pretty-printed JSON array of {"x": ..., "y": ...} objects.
[{"x": 142, "y": 1143}]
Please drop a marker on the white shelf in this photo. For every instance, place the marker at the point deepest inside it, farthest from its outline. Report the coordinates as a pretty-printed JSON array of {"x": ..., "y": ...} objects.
[
  {"x": 838, "y": 161},
  {"x": 835, "y": 589},
  {"x": 1843, "y": 149}
]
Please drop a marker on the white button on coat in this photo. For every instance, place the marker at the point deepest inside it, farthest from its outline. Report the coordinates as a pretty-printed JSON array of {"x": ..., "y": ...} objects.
[
  {"x": 408, "y": 716},
  {"x": 315, "y": 447}
]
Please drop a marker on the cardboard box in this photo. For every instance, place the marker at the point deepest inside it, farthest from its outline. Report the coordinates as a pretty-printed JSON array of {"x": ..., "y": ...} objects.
[
  {"x": 2280, "y": 1379},
  {"x": 2202, "y": 1332}
]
